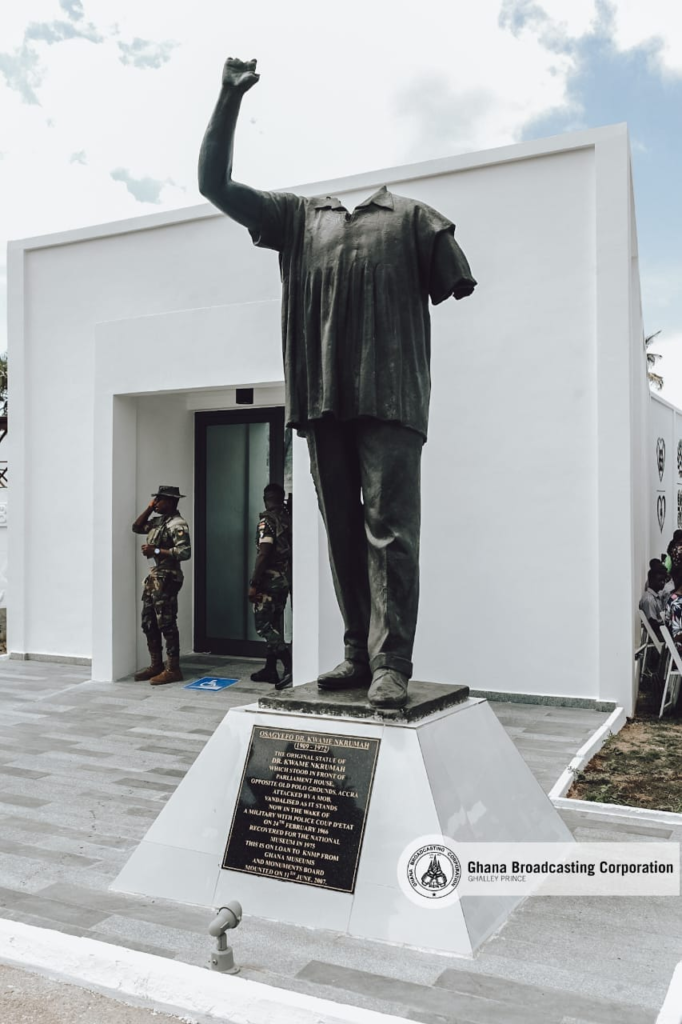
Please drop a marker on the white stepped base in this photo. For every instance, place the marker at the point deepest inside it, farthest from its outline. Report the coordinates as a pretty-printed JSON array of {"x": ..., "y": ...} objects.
[{"x": 456, "y": 773}]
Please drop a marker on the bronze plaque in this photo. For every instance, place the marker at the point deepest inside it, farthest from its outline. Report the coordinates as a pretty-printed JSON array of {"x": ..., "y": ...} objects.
[{"x": 300, "y": 815}]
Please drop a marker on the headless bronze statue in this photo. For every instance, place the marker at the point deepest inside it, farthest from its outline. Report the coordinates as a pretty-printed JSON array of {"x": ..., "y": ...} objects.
[{"x": 356, "y": 338}]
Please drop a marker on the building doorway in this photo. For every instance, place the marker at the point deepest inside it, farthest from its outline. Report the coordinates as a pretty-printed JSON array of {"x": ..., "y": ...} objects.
[{"x": 236, "y": 455}]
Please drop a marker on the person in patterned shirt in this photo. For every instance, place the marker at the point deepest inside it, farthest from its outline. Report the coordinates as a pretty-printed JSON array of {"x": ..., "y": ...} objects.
[
  {"x": 672, "y": 613},
  {"x": 270, "y": 585},
  {"x": 168, "y": 543}
]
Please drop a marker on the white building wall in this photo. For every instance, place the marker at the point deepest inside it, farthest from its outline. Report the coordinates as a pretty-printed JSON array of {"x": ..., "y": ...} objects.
[
  {"x": 664, "y": 466},
  {"x": 527, "y": 544}
]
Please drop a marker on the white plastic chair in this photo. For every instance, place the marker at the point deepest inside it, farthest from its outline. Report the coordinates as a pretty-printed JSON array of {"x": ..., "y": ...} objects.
[
  {"x": 671, "y": 690},
  {"x": 647, "y": 641}
]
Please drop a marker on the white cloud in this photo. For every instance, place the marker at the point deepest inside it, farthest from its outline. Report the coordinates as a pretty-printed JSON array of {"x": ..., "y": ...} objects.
[
  {"x": 656, "y": 23},
  {"x": 341, "y": 91},
  {"x": 143, "y": 53},
  {"x": 338, "y": 94}
]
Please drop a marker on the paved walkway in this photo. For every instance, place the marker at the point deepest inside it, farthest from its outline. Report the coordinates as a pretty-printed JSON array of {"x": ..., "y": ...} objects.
[{"x": 85, "y": 768}]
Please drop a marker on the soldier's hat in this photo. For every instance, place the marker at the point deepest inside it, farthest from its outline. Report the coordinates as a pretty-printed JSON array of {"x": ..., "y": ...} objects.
[{"x": 165, "y": 491}]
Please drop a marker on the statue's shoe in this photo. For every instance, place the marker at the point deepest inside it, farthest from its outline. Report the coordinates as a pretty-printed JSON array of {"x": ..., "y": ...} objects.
[
  {"x": 388, "y": 689},
  {"x": 349, "y": 675}
]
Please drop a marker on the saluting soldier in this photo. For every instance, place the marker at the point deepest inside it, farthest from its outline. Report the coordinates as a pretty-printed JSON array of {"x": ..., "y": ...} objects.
[
  {"x": 270, "y": 584},
  {"x": 168, "y": 543}
]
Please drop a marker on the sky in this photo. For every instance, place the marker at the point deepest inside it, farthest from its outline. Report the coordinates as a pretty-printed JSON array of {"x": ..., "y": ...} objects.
[{"x": 103, "y": 104}]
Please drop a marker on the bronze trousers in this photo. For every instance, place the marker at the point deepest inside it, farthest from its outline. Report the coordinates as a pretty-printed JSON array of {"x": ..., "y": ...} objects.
[{"x": 367, "y": 477}]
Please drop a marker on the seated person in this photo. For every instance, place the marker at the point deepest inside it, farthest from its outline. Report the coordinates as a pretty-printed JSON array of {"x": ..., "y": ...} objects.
[
  {"x": 652, "y": 603},
  {"x": 673, "y": 610},
  {"x": 674, "y": 552},
  {"x": 669, "y": 586}
]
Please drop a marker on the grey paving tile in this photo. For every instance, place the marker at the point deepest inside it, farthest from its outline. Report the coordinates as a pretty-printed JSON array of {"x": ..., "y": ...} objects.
[
  {"x": 451, "y": 1006},
  {"x": 186, "y": 918},
  {"x": 46, "y": 742},
  {"x": 163, "y": 734},
  {"x": 21, "y": 773},
  {"x": 146, "y": 783},
  {"x": 9, "y": 897},
  {"x": 25, "y": 676},
  {"x": 156, "y": 748},
  {"x": 82, "y": 896},
  {"x": 54, "y": 924},
  {"x": 540, "y": 1000},
  {"x": 126, "y": 928},
  {"x": 632, "y": 989},
  {"x": 65, "y": 913},
  {"x": 17, "y": 800},
  {"x": 128, "y": 795},
  {"x": 32, "y": 852}
]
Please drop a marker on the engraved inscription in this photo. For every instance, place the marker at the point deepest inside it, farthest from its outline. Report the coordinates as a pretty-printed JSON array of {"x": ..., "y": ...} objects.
[{"x": 300, "y": 815}]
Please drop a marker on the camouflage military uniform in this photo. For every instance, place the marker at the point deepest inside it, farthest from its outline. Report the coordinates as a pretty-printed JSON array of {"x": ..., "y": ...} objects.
[
  {"x": 162, "y": 585},
  {"x": 274, "y": 527}
]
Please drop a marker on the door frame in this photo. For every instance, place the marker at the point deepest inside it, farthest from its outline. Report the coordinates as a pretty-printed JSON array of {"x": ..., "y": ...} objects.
[{"x": 202, "y": 421}]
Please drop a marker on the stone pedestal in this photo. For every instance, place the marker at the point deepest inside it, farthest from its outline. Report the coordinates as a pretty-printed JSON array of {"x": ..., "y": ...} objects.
[{"x": 444, "y": 765}]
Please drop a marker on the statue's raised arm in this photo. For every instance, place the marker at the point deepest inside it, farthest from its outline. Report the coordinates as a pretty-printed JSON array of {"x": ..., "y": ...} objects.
[{"x": 239, "y": 202}]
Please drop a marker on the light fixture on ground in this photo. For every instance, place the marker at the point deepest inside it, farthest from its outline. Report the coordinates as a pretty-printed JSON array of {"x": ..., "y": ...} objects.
[{"x": 222, "y": 957}]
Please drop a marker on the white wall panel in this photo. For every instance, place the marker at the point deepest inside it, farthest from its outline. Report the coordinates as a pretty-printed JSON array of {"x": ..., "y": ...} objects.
[{"x": 532, "y": 452}]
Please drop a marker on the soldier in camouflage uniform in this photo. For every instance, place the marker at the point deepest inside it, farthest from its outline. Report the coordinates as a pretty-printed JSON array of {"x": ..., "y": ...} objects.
[
  {"x": 168, "y": 544},
  {"x": 271, "y": 583}
]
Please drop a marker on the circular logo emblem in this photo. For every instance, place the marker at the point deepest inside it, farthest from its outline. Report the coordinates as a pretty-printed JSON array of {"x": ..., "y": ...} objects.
[{"x": 429, "y": 871}]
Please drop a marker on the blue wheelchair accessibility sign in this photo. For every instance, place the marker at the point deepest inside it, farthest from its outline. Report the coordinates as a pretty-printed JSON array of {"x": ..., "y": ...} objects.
[{"x": 210, "y": 683}]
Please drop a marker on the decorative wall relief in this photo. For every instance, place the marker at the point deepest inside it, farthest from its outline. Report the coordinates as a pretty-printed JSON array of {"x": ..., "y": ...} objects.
[
  {"x": 660, "y": 511},
  {"x": 3, "y": 513},
  {"x": 660, "y": 457},
  {"x": 679, "y": 459},
  {"x": 679, "y": 510}
]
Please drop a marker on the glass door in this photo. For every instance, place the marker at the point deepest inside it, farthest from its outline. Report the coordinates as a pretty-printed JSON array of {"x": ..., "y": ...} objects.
[{"x": 237, "y": 454}]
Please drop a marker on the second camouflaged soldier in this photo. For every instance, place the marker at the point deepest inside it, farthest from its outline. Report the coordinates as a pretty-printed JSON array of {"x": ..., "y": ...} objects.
[
  {"x": 168, "y": 544},
  {"x": 270, "y": 584}
]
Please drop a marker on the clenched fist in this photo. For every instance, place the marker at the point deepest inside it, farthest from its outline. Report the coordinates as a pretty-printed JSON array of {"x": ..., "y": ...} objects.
[{"x": 239, "y": 75}]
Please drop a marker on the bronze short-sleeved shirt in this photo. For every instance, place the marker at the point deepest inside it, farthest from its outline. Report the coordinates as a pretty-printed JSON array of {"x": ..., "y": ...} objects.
[{"x": 355, "y": 317}]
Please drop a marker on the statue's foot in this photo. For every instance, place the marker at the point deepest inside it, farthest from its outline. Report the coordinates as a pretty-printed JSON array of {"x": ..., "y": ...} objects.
[
  {"x": 388, "y": 689},
  {"x": 349, "y": 675}
]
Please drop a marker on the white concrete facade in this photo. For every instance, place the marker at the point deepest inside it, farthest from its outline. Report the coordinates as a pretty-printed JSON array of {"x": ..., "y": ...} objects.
[
  {"x": 535, "y": 508},
  {"x": 664, "y": 465}
]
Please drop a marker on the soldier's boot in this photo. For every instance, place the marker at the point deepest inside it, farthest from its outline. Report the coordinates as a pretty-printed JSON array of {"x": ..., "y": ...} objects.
[
  {"x": 171, "y": 673},
  {"x": 267, "y": 674},
  {"x": 156, "y": 666},
  {"x": 286, "y": 680}
]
